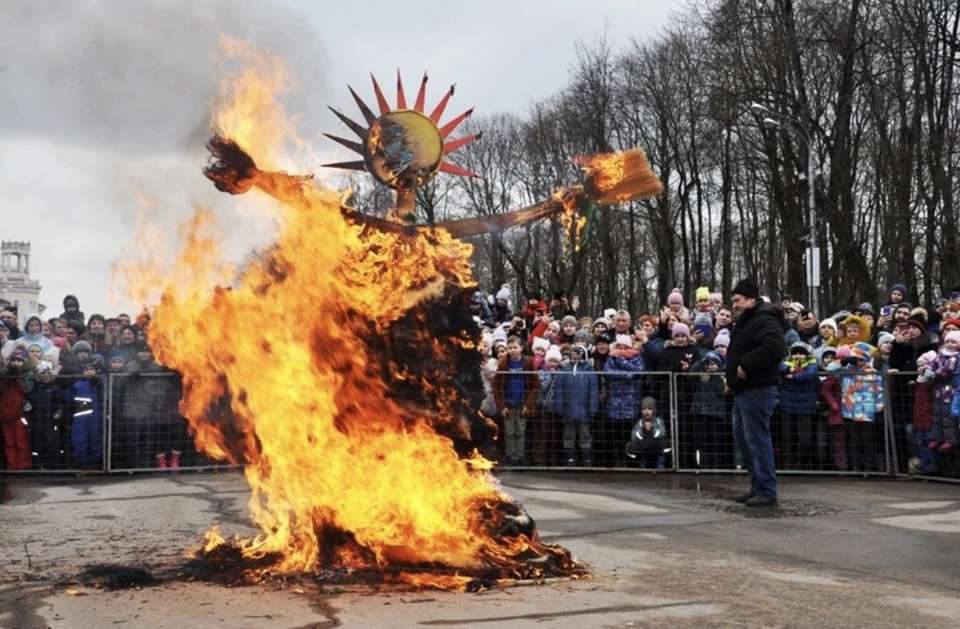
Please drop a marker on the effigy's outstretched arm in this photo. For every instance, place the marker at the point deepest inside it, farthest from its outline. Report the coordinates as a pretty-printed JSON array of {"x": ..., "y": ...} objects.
[{"x": 611, "y": 179}]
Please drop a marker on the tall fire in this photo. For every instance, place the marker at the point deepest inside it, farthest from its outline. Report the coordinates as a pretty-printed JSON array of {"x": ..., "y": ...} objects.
[{"x": 339, "y": 368}]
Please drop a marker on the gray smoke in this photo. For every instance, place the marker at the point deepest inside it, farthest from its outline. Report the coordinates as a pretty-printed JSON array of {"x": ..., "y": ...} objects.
[
  {"x": 101, "y": 100},
  {"x": 135, "y": 77}
]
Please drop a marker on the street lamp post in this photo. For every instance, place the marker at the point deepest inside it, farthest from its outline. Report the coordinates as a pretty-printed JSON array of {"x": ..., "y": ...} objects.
[{"x": 813, "y": 252}]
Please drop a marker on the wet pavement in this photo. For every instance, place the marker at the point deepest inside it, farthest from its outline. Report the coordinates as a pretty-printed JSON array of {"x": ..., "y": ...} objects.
[{"x": 665, "y": 551}]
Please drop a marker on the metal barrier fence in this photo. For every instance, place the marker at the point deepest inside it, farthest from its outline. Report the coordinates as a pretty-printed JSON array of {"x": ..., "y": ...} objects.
[
  {"x": 830, "y": 423},
  {"x": 583, "y": 419},
  {"x": 921, "y": 418},
  {"x": 114, "y": 422}
]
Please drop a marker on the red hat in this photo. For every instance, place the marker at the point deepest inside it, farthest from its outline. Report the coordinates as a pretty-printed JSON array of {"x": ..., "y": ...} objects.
[
  {"x": 917, "y": 322},
  {"x": 954, "y": 322}
]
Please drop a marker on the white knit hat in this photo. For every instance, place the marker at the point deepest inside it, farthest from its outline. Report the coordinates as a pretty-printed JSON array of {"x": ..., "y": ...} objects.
[
  {"x": 541, "y": 343},
  {"x": 504, "y": 292},
  {"x": 624, "y": 339},
  {"x": 609, "y": 314},
  {"x": 554, "y": 354}
]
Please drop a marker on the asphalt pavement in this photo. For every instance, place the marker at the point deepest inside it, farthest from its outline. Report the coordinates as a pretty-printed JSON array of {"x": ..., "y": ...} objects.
[{"x": 664, "y": 551}]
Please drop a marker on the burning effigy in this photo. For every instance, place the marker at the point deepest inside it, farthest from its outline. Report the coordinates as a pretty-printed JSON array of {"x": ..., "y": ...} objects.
[{"x": 339, "y": 367}]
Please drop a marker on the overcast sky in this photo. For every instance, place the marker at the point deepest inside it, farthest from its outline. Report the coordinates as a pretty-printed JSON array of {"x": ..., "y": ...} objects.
[{"x": 102, "y": 99}]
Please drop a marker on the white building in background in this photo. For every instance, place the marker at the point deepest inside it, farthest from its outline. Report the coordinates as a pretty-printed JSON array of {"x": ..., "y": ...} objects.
[{"x": 16, "y": 287}]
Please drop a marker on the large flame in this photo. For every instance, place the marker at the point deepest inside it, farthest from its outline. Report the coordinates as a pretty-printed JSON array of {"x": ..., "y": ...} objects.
[{"x": 298, "y": 366}]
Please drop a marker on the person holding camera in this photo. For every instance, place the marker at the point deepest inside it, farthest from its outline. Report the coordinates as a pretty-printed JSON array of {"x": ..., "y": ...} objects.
[
  {"x": 561, "y": 306},
  {"x": 518, "y": 327}
]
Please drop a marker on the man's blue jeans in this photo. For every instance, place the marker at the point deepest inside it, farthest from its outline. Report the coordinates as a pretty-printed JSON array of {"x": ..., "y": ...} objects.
[{"x": 752, "y": 410}]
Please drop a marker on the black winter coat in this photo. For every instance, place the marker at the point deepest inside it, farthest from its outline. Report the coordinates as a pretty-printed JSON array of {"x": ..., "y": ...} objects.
[
  {"x": 903, "y": 356},
  {"x": 758, "y": 346},
  {"x": 672, "y": 357}
]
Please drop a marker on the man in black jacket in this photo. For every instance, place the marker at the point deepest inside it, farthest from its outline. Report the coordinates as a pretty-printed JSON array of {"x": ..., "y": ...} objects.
[{"x": 756, "y": 350}]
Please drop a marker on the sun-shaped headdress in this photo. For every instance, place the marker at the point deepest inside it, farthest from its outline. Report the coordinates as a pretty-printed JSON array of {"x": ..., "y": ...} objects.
[{"x": 403, "y": 148}]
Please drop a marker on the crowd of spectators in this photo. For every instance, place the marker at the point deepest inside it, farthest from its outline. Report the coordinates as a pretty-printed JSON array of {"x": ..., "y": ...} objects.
[
  {"x": 569, "y": 389},
  {"x": 562, "y": 387},
  {"x": 53, "y": 393}
]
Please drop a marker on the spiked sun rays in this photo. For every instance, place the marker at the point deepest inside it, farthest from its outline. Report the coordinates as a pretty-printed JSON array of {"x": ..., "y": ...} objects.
[{"x": 403, "y": 148}]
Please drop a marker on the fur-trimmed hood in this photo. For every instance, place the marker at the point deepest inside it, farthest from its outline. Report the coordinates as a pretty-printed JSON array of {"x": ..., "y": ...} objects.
[{"x": 862, "y": 337}]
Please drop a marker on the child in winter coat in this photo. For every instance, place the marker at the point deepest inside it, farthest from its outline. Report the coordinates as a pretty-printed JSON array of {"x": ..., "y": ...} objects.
[
  {"x": 942, "y": 371},
  {"x": 679, "y": 356},
  {"x": 928, "y": 460},
  {"x": 540, "y": 347},
  {"x": 545, "y": 417},
  {"x": 861, "y": 403},
  {"x": 622, "y": 388},
  {"x": 516, "y": 396},
  {"x": 15, "y": 408},
  {"x": 831, "y": 394},
  {"x": 45, "y": 417},
  {"x": 577, "y": 400},
  {"x": 87, "y": 425},
  {"x": 798, "y": 406},
  {"x": 648, "y": 439},
  {"x": 712, "y": 439}
]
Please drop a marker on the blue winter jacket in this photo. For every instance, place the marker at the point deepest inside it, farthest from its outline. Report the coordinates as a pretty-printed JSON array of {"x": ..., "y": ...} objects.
[
  {"x": 576, "y": 394},
  {"x": 652, "y": 349},
  {"x": 623, "y": 393},
  {"x": 799, "y": 394}
]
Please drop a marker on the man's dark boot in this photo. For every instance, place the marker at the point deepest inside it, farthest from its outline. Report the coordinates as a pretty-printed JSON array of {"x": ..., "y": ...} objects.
[
  {"x": 761, "y": 501},
  {"x": 570, "y": 458},
  {"x": 742, "y": 498}
]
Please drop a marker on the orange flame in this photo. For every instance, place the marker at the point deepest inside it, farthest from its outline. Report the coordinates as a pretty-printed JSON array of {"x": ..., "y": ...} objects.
[
  {"x": 571, "y": 219},
  {"x": 615, "y": 178},
  {"x": 291, "y": 349}
]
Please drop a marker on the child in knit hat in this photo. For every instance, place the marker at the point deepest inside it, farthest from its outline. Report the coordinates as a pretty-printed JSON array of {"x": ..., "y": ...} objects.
[
  {"x": 45, "y": 418},
  {"x": 884, "y": 347},
  {"x": 861, "y": 404},
  {"x": 116, "y": 364},
  {"x": 515, "y": 389},
  {"x": 546, "y": 417},
  {"x": 540, "y": 347},
  {"x": 831, "y": 394},
  {"x": 15, "y": 387},
  {"x": 709, "y": 442},
  {"x": 584, "y": 340},
  {"x": 798, "y": 406},
  {"x": 898, "y": 293},
  {"x": 928, "y": 461},
  {"x": 721, "y": 342},
  {"x": 675, "y": 305},
  {"x": 648, "y": 438},
  {"x": 942, "y": 372},
  {"x": 704, "y": 301},
  {"x": 622, "y": 387},
  {"x": 577, "y": 400},
  {"x": 681, "y": 353},
  {"x": 568, "y": 327},
  {"x": 86, "y": 427},
  {"x": 502, "y": 306}
]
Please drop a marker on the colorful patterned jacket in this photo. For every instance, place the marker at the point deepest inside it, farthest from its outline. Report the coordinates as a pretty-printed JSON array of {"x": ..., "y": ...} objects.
[{"x": 861, "y": 392}]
